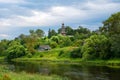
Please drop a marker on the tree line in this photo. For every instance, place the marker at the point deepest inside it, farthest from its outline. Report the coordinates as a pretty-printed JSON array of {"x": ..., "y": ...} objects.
[{"x": 103, "y": 43}]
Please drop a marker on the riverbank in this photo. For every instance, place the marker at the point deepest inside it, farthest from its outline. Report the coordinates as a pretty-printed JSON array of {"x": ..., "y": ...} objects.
[
  {"x": 111, "y": 62},
  {"x": 62, "y": 55},
  {"x": 6, "y": 74}
]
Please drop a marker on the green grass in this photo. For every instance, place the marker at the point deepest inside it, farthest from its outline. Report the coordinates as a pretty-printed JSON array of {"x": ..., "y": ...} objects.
[
  {"x": 6, "y": 74},
  {"x": 53, "y": 56},
  {"x": 2, "y": 58}
]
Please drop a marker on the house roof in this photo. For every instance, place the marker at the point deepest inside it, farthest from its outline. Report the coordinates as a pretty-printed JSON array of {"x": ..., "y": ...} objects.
[{"x": 44, "y": 46}]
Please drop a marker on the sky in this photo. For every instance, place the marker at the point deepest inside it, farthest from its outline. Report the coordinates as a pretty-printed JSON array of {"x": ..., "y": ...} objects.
[{"x": 19, "y": 16}]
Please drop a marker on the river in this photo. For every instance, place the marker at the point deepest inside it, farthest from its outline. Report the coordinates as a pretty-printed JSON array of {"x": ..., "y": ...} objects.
[{"x": 71, "y": 71}]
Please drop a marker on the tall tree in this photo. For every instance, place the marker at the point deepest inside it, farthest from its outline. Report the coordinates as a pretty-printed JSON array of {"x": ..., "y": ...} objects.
[
  {"x": 69, "y": 30},
  {"x": 112, "y": 24},
  {"x": 97, "y": 46},
  {"x": 39, "y": 32},
  {"x": 51, "y": 33}
]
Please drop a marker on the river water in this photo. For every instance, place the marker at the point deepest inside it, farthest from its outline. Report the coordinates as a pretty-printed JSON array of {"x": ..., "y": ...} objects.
[{"x": 71, "y": 71}]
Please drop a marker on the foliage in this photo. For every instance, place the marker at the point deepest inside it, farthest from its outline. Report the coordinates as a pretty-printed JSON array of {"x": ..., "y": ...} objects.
[
  {"x": 78, "y": 43},
  {"x": 61, "y": 52},
  {"x": 55, "y": 39},
  {"x": 102, "y": 44},
  {"x": 76, "y": 53},
  {"x": 3, "y": 47},
  {"x": 37, "y": 33},
  {"x": 51, "y": 33},
  {"x": 6, "y": 74},
  {"x": 53, "y": 44},
  {"x": 29, "y": 55},
  {"x": 97, "y": 46},
  {"x": 15, "y": 51},
  {"x": 112, "y": 25},
  {"x": 115, "y": 45}
]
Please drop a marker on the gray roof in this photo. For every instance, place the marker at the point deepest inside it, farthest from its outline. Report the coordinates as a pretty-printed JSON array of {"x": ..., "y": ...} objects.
[{"x": 44, "y": 47}]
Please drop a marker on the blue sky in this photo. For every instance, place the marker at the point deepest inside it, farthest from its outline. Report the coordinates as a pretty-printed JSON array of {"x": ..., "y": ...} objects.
[{"x": 19, "y": 16}]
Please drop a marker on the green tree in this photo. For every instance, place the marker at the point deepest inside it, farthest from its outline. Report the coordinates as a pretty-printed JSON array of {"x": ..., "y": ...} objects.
[
  {"x": 115, "y": 45},
  {"x": 3, "y": 46},
  {"x": 112, "y": 25},
  {"x": 40, "y": 33},
  {"x": 51, "y": 33},
  {"x": 97, "y": 46},
  {"x": 15, "y": 51},
  {"x": 69, "y": 30},
  {"x": 55, "y": 38},
  {"x": 83, "y": 30}
]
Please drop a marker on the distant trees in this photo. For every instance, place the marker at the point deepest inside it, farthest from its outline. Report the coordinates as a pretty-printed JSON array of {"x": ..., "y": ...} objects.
[
  {"x": 112, "y": 25},
  {"x": 51, "y": 33},
  {"x": 100, "y": 44},
  {"x": 111, "y": 28},
  {"x": 38, "y": 33}
]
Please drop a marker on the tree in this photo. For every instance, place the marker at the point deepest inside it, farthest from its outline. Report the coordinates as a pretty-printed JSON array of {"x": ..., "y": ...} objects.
[
  {"x": 55, "y": 39},
  {"x": 51, "y": 33},
  {"x": 115, "y": 45},
  {"x": 15, "y": 50},
  {"x": 112, "y": 25},
  {"x": 111, "y": 28},
  {"x": 69, "y": 30},
  {"x": 3, "y": 46},
  {"x": 97, "y": 46},
  {"x": 40, "y": 33},
  {"x": 83, "y": 30}
]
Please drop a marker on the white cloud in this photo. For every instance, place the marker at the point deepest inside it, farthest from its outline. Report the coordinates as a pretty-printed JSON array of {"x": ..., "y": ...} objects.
[
  {"x": 11, "y": 1},
  {"x": 81, "y": 13},
  {"x": 4, "y": 35},
  {"x": 58, "y": 14}
]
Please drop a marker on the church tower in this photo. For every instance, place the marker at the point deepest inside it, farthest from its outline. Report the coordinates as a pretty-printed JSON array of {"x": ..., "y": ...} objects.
[{"x": 63, "y": 30}]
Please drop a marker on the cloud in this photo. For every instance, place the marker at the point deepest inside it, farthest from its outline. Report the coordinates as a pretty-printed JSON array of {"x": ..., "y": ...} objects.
[
  {"x": 87, "y": 11},
  {"x": 11, "y": 1},
  {"x": 4, "y": 35},
  {"x": 26, "y": 13}
]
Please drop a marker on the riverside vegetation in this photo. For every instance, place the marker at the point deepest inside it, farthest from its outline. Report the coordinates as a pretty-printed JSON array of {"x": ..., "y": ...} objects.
[
  {"x": 6, "y": 74},
  {"x": 80, "y": 45}
]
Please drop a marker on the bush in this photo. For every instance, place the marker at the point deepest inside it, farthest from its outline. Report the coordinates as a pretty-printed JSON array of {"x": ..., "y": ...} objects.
[
  {"x": 29, "y": 55},
  {"x": 61, "y": 52},
  {"x": 97, "y": 46},
  {"x": 53, "y": 44},
  {"x": 41, "y": 55},
  {"x": 15, "y": 51},
  {"x": 76, "y": 53}
]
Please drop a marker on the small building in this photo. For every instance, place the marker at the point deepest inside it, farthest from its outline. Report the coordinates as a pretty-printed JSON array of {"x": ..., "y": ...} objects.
[
  {"x": 44, "y": 47},
  {"x": 63, "y": 30}
]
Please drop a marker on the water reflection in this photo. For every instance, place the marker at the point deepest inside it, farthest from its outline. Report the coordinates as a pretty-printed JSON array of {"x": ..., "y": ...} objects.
[{"x": 73, "y": 72}]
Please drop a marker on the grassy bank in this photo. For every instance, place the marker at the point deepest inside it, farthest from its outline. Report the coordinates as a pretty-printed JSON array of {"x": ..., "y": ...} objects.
[
  {"x": 110, "y": 63},
  {"x": 55, "y": 55},
  {"x": 62, "y": 55},
  {"x": 6, "y": 74}
]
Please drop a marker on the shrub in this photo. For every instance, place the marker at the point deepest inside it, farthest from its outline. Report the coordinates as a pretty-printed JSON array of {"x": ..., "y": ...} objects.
[
  {"x": 41, "y": 55},
  {"x": 61, "y": 52},
  {"x": 29, "y": 55},
  {"x": 97, "y": 46},
  {"x": 53, "y": 44},
  {"x": 15, "y": 51},
  {"x": 76, "y": 53}
]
